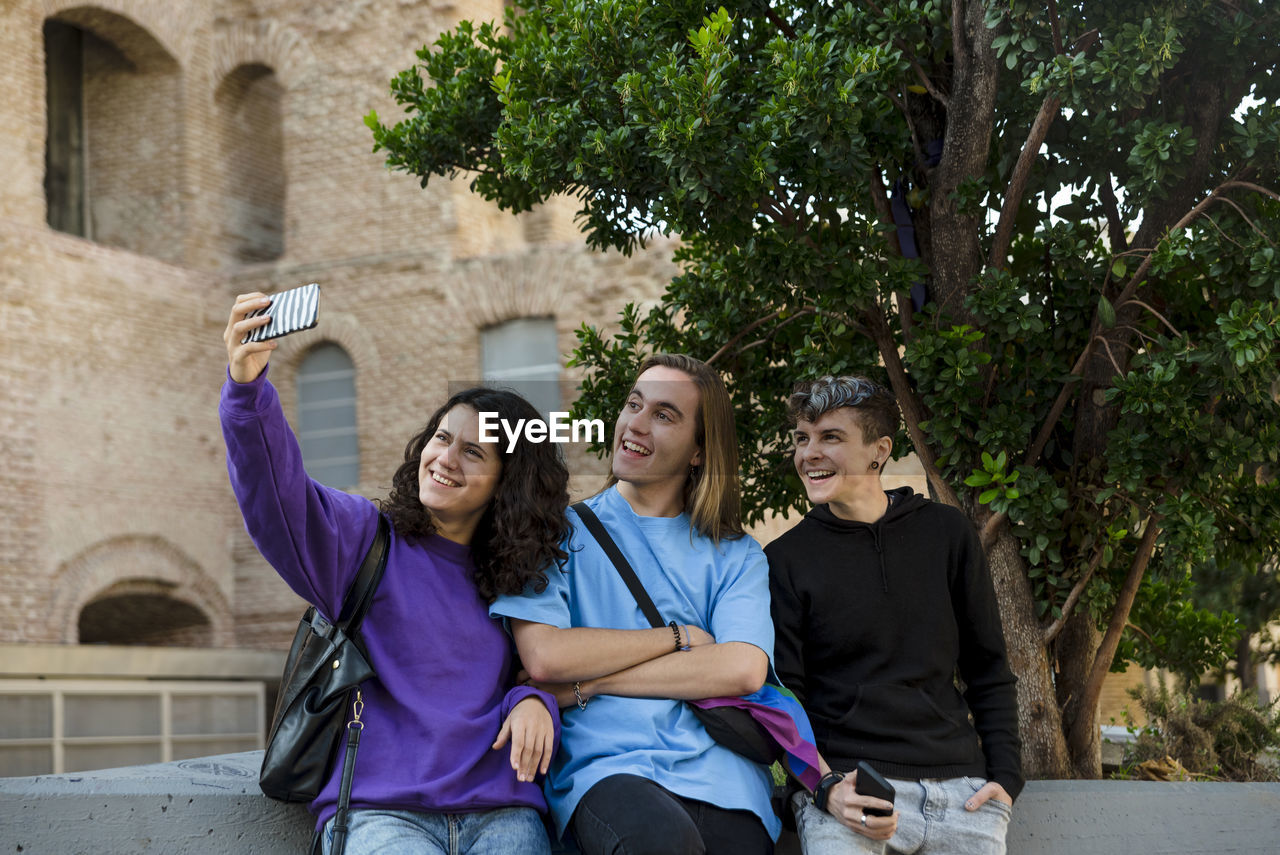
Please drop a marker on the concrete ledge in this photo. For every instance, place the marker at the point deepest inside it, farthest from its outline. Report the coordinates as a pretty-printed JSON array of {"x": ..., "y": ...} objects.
[
  {"x": 212, "y": 804},
  {"x": 188, "y": 807},
  {"x": 1061, "y": 817}
]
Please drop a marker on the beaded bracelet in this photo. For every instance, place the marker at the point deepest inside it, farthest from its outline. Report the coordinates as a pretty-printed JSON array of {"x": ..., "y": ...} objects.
[{"x": 681, "y": 643}]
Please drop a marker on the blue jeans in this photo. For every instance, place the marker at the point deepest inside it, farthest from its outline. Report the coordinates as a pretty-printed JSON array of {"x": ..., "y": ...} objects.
[
  {"x": 501, "y": 831},
  {"x": 931, "y": 821}
]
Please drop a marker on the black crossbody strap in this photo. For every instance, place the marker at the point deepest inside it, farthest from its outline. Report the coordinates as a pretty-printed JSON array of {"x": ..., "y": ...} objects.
[
  {"x": 354, "y": 607},
  {"x": 360, "y": 594},
  {"x": 601, "y": 534}
]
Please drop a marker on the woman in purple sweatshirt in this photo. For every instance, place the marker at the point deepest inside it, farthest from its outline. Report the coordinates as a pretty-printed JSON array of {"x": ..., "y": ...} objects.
[{"x": 450, "y": 749}]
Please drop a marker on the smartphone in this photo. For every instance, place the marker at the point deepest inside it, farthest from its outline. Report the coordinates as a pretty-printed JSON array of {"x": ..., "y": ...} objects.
[
  {"x": 872, "y": 783},
  {"x": 291, "y": 311}
]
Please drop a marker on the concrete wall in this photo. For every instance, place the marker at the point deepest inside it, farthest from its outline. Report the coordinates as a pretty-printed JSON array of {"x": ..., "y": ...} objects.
[
  {"x": 191, "y": 807},
  {"x": 212, "y": 804}
]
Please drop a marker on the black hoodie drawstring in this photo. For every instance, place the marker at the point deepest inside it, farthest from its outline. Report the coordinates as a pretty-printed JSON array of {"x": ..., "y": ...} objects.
[
  {"x": 884, "y": 574},
  {"x": 902, "y": 501}
]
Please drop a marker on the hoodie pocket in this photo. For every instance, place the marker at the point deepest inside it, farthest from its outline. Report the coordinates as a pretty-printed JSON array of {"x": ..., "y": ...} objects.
[{"x": 904, "y": 724}]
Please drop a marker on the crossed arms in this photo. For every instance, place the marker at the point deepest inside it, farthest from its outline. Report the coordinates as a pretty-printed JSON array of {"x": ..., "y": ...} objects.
[{"x": 637, "y": 663}]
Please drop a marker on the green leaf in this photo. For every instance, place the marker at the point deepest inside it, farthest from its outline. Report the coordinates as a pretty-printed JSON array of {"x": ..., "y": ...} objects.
[{"x": 1106, "y": 313}]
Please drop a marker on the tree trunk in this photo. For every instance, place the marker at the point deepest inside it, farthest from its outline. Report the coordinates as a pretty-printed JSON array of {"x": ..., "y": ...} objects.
[
  {"x": 955, "y": 251},
  {"x": 1245, "y": 671},
  {"x": 1074, "y": 652},
  {"x": 1044, "y": 747},
  {"x": 1082, "y": 735}
]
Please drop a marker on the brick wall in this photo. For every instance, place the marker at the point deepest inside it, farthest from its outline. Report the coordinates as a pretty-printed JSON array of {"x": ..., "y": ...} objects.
[{"x": 114, "y": 480}]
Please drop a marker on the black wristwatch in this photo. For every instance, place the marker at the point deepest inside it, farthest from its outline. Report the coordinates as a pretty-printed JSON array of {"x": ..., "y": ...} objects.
[{"x": 823, "y": 790}]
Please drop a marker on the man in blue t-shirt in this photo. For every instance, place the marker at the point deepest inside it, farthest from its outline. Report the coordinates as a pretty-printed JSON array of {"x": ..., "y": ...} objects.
[{"x": 636, "y": 771}]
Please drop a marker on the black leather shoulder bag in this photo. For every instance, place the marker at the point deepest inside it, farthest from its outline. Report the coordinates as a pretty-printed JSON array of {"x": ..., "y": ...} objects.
[{"x": 326, "y": 664}]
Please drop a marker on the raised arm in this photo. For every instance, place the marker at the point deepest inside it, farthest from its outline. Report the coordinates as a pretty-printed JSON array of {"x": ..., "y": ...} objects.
[{"x": 311, "y": 534}]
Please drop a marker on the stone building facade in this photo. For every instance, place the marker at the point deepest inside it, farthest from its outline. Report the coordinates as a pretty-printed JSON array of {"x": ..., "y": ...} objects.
[{"x": 160, "y": 158}]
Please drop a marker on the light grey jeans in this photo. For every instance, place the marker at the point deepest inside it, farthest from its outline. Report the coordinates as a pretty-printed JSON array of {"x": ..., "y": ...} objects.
[
  {"x": 931, "y": 821},
  {"x": 500, "y": 831}
]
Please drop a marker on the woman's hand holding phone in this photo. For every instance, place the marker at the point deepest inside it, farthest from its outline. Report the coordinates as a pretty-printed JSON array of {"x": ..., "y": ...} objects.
[{"x": 247, "y": 360}]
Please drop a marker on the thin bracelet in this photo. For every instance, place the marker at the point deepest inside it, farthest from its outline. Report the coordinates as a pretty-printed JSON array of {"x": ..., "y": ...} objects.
[
  {"x": 688, "y": 638},
  {"x": 577, "y": 693}
]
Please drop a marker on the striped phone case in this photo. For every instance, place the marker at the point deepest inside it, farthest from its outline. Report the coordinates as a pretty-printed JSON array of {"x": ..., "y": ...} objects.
[{"x": 291, "y": 311}]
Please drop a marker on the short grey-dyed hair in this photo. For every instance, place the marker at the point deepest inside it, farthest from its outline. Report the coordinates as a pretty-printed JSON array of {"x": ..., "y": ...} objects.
[{"x": 875, "y": 406}]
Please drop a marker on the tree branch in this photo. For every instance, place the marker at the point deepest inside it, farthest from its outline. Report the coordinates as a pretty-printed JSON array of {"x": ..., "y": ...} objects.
[
  {"x": 1211, "y": 221},
  {"x": 1052, "y": 630},
  {"x": 1246, "y": 218},
  {"x": 1055, "y": 28},
  {"x": 911, "y": 126},
  {"x": 911, "y": 60},
  {"x": 1111, "y": 207},
  {"x": 1110, "y": 355},
  {"x": 783, "y": 27},
  {"x": 880, "y": 199},
  {"x": 756, "y": 324},
  {"x": 999, "y": 256},
  {"x": 1083, "y": 722},
  {"x": 912, "y": 409},
  {"x": 1064, "y": 395},
  {"x": 989, "y": 528},
  {"x": 1141, "y": 273},
  {"x": 1165, "y": 320},
  {"x": 926, "y": 82}
]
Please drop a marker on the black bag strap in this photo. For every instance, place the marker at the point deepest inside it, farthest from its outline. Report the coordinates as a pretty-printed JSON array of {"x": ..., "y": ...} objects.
[
  {"x": 620, "y": 562},
  {"x": 360, "y": 594},
  {"x": 354, "y": 606}
]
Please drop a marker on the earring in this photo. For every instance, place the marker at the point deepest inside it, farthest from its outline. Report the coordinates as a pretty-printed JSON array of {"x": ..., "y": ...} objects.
[{"x": 875, "y": 464}]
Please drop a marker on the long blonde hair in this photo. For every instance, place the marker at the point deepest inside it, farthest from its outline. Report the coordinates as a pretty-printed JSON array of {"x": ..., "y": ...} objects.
[{"x": 712, "y": 491}]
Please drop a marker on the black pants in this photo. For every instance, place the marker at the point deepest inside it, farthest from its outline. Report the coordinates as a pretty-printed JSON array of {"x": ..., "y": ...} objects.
[{"x": 630, "y": 815}]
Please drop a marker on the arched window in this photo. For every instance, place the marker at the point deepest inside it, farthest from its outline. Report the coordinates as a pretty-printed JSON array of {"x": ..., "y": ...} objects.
[
  {"x": 327, "y": 416},
  {"x": 64, "y": 153},
  {"x": 140, "y": 611},
  {"x": 114, "y": 148},
  {"x": 249, "y": 104},
  {"x": 524, "y": 355}
]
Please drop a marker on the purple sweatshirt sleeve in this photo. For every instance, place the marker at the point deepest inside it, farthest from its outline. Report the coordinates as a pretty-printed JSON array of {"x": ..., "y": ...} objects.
[
  {"x": 516, "y": 694},
  {"x": 314, "y": 536}
]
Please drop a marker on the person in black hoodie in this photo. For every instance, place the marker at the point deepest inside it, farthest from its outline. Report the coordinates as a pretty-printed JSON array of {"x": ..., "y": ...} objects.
[{"x": 883, "y": 605}]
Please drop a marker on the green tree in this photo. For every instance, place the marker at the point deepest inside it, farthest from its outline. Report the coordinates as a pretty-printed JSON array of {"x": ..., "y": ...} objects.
[{"x": 1089, "y": 188}]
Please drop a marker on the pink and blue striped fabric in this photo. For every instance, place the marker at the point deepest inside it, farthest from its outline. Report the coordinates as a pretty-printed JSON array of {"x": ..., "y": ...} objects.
[{"x": 778, "y": 711}]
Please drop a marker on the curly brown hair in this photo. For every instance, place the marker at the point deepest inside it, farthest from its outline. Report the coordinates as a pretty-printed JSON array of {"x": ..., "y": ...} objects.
[{"x": 521, "y": 532}]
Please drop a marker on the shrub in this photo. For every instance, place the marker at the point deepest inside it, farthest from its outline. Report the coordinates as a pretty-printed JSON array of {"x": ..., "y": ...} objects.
[{"x": 1234, "y": 740}]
